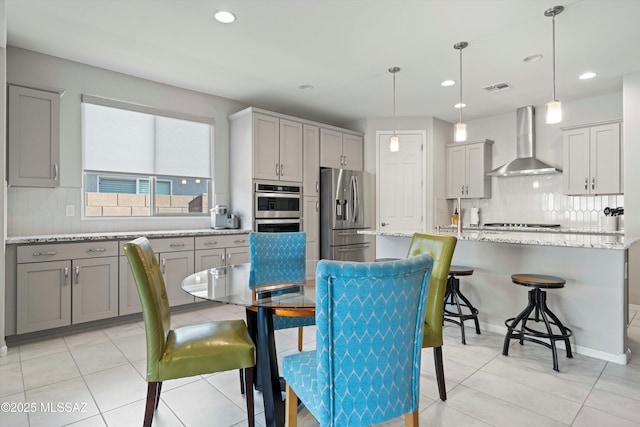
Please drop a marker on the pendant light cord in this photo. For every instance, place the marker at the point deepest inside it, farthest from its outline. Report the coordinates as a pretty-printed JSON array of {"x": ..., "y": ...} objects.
[
  {"x": 460, "y": 85},
  {"x": 394, "y": 70},
  {"x": 553, "y": 52}
]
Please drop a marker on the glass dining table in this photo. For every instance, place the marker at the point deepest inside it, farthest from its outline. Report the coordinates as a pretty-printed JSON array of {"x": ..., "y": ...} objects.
[{"x": 230, "y": 285}]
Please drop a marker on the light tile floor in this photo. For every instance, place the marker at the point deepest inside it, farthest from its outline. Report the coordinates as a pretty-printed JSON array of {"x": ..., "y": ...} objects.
[{"x": 99, "y": 376}]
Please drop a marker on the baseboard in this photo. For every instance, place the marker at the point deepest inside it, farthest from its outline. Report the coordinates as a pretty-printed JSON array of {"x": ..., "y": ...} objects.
[
  {"x": 634, "y": 307},
  {"x": 3, "y": 351}
]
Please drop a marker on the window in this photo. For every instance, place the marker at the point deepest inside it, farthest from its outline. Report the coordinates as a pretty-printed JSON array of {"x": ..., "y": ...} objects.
[{"x": 139, "y": 161}]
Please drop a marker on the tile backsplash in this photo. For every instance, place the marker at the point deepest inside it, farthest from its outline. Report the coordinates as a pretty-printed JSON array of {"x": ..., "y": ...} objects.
[{"x": 535, "y": 199}]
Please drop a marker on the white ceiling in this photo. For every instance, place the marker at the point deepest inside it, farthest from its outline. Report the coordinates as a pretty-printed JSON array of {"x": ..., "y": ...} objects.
[{"x": 344, "y": 49}]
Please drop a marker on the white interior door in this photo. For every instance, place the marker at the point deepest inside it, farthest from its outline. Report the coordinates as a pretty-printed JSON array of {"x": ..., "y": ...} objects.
[{"x": 400, "y": 183}]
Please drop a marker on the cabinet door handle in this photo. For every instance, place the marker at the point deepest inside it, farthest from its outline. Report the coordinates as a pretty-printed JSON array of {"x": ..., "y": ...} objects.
[
  {"x": 462, "y": 190},
  {"x": 277, "y": 169},
  {"x": 97, "y": 250},
  {"x": 163, "y": 263},
  {"x": 466, "y": 189},
  {"x": 176, "y": 245},
  {"x": 222, "y": 263},
  {"x": 77, "y": 271},
  {"x": 281, "y": 169},
  {"x": 317, "y": 206},
  {"x": 317, "y": 187},
  {"x": 229, "y": 258},
  {"x": 210, "y": 243},
  {"x": 239, "y": 241},
  {"x": 44, "y": 253},
  {"x": 586, "y": 183},
  {"x": 66, "y": 274},
  {"x": 593, "y": 183},
  {"x": 55, "y": 171}
]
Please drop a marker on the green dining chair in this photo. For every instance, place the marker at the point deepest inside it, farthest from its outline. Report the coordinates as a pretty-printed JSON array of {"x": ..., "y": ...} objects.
[
  {"x": 188, "y": 350},
  {"x": 441, "y": 250}
]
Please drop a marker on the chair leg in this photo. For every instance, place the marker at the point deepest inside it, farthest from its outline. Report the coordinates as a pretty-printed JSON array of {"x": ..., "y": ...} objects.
[
  {"x": 300, "y": 338},
  {"x": 437, "y": 359},
  {"x": 291, "y": 408},
  {"x": 248, "y": 385},
  {"x": 411, "y": 419},
  {"x": 158, "y": 394},
  {"x": 152, "y": 396},
  {"x": 241, "y": 381}
]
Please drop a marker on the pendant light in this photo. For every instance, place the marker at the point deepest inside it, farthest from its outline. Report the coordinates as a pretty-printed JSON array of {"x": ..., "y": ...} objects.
[
  {"x": 460, "y": 134},
  {"x": 554, "y": 107},
  {"x": 394, "y": 141}
]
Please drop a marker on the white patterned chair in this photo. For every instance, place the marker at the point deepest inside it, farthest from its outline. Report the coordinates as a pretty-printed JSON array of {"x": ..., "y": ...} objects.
[{"x": 369, "y": 325}]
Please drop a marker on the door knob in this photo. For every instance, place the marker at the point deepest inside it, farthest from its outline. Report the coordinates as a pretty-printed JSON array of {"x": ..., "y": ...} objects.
[{"x": 384, "y": 223}]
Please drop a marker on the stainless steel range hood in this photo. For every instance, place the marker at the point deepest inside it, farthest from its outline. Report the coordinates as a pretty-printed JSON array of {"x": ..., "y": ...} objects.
[{"x": 526, "y": 162}]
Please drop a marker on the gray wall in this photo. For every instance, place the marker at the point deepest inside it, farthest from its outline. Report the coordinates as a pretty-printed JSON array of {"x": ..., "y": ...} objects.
[
  {"x": 631, "y": 135},
  {"x": 42, "y": 71},
  {"x": 3, "y": 182}
]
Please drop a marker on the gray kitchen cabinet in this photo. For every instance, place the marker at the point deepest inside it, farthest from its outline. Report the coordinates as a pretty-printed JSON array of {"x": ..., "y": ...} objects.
[
  {"x": 311, "y": 225},
  {"x": 43, "y": 296},
  {"x": 467, "y": 166},
  {"x": 66, "y": 283},
  {"x": 218, "y": 251},
  {"x": 592, "y": 160},
  {"x": 277, "y": 148},
  {"x": 341, "y": 150},
  {"x": 176, "y": 260},
  {"x": 33, "y": 137},
  {"x": 311, "y": 196},
  {"x": 311, "y": 160},
  {"x": 94, "y": 289}
]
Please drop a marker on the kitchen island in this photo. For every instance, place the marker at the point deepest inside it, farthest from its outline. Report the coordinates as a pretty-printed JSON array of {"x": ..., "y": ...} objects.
[{"x": 593, "y": 303}]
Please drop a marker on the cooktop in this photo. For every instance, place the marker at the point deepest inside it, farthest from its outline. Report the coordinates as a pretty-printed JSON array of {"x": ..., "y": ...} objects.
[{"x": 520, "y": 224}]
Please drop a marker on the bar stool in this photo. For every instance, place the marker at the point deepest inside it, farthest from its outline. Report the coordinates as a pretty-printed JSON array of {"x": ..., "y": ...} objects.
[
  {"x": 452, "y": 298},
  {"x": 537, "y": 304}
]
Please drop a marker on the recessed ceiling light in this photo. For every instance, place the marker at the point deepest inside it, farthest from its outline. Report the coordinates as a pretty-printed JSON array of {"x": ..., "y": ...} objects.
[
  {"x": 448, "y": 83},
  {"x": 305, "y": 87},
  {"x": 460, "y": 105},
  {"x": 224, "y": 17},
  {"x": 588, "y": 75},
  {"x": 533, "y": 58}
]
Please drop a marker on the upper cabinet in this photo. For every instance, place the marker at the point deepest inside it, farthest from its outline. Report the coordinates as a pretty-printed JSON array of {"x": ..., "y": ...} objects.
[
  {"x": 592, "y": 159},
  {"x": 341, "y": 150},
  {"x": 467, "y": 167},
  {"x": 34, "y": 137},
  {"x": 277, "y": 148}
]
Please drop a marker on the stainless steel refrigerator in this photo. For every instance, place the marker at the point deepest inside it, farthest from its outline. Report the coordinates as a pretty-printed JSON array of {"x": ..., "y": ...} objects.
[{"x": 342, "y": 214}]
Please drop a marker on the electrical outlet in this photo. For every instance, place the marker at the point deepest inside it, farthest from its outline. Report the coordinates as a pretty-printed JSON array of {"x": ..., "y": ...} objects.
[{"x": 70, "y": 210}]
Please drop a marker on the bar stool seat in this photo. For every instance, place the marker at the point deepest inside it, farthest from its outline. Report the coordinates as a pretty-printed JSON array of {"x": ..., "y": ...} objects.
[
  {"x": 538, "y": 305},
  {"x": 452, "y": 299}
]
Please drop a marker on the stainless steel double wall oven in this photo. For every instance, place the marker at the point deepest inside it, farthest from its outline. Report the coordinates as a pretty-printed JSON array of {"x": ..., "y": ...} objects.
[{"x": 277, "y": 207}]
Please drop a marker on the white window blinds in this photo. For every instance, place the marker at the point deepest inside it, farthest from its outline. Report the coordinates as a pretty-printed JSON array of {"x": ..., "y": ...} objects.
[{"x": 118, "y": 139}]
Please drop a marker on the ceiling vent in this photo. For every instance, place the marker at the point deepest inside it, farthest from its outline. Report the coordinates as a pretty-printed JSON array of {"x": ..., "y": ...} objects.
[{"x": 498, "y": 87}]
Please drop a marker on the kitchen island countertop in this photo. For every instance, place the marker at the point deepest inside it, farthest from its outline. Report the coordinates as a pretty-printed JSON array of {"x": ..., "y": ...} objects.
[
  {"x": 120, "y": 235},
  {"x": 542, "y": 238}
]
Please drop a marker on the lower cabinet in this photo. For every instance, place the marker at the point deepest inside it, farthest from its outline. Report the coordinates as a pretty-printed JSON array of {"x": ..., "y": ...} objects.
[
  {"x": 311, "y": 225},
  {"x": 176, "y": 260},
  {"x": 64, "y": 284},
  {"x": 218, "y": 251}
]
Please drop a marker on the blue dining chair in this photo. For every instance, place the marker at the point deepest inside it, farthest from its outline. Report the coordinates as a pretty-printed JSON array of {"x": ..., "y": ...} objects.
[
  {"x": 369, "y": 325},
  {"x": 276, "y": 257}
]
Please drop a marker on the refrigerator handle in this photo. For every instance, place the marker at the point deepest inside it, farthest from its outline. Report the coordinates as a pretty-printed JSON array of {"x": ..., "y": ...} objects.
[{"x": 355, "y": 197}]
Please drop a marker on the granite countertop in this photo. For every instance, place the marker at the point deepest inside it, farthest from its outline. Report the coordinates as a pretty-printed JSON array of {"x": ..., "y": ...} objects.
[
  {"x": 542, "y": 238},
  {"x": 119, "y": 235}
]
